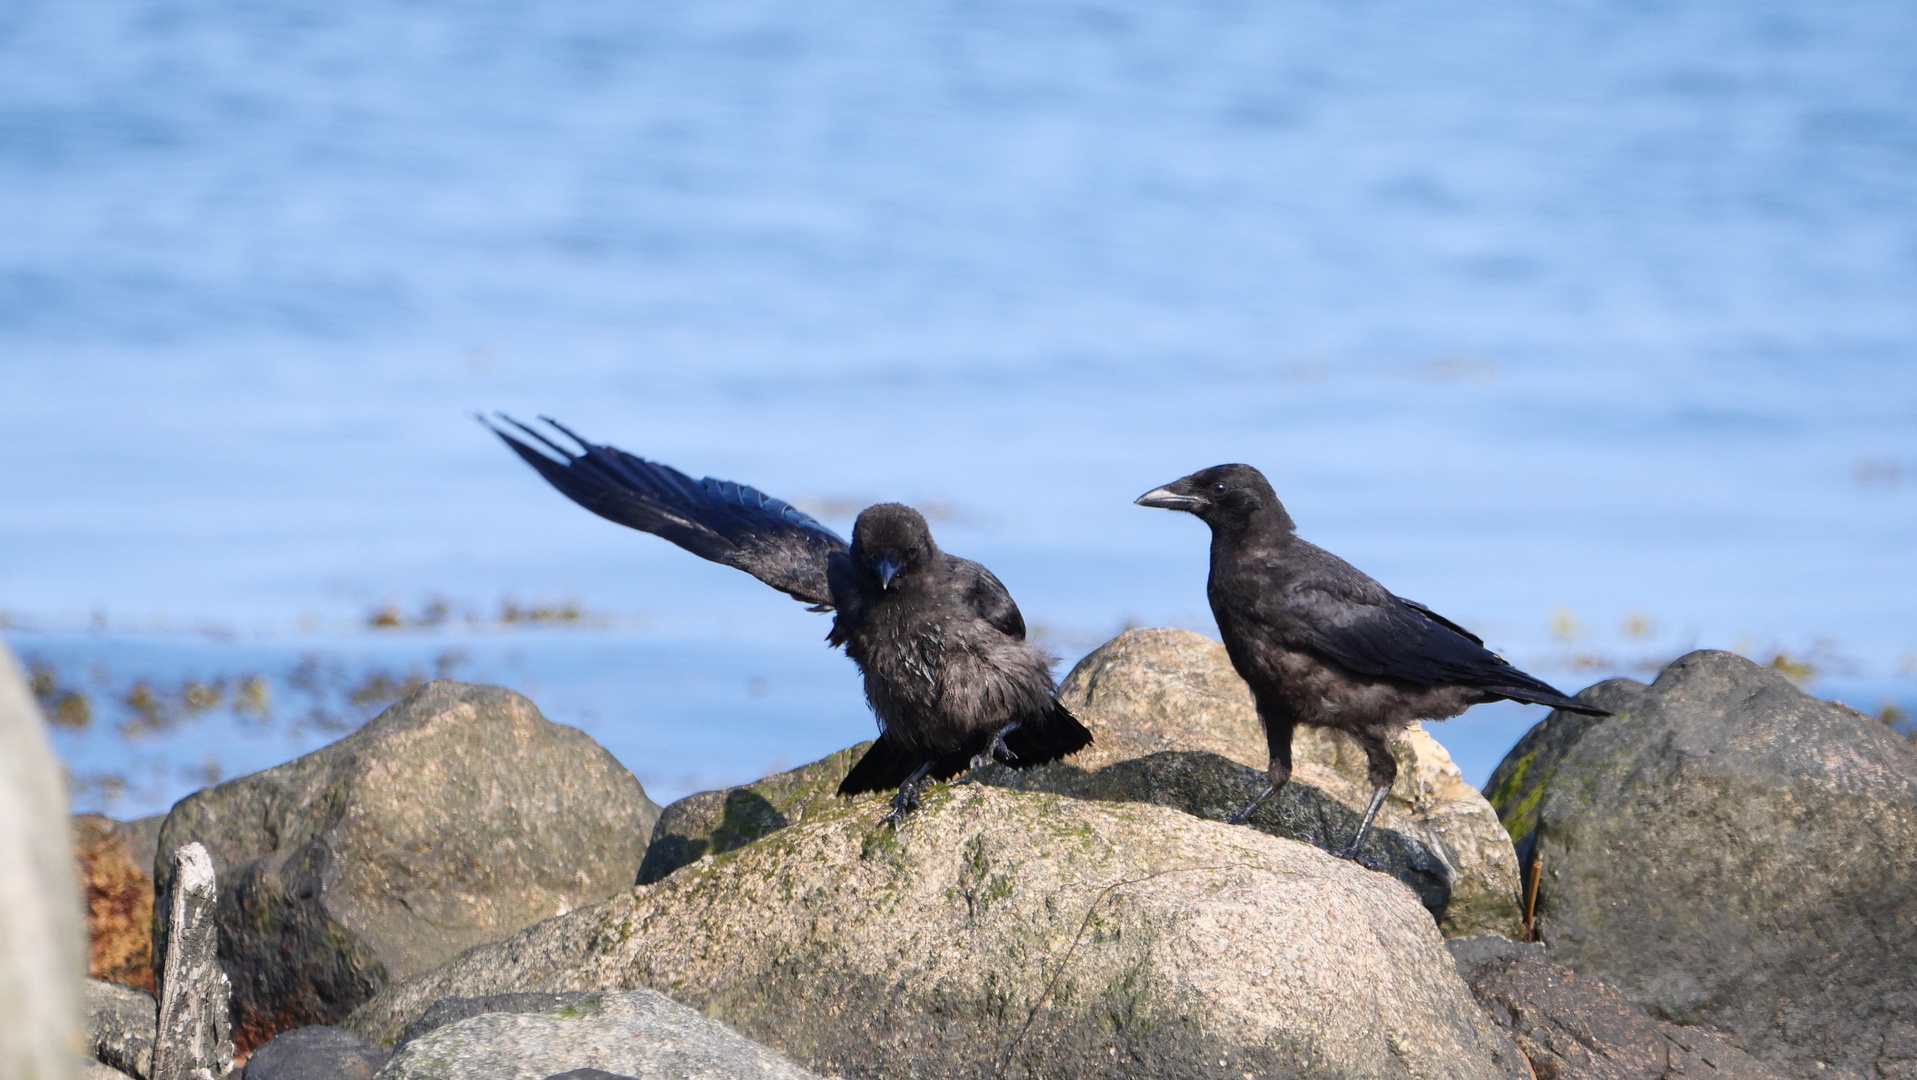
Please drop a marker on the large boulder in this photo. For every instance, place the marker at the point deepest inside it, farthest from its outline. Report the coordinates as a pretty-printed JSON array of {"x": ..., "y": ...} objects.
[
  {"x": 1173, "y": 724},
  {"x": 1728, "y": 850},
  {"x": 455, "y": 817},
  {"x": 1029, "y": 932},
  {"x": 1572, "y": 1028},
  {"x": 42, "y": 940},
  {"x": 635, "y": 1033}
]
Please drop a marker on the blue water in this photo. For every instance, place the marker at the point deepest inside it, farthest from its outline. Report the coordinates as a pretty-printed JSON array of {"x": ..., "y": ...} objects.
[{"x": 1593, "y": 325}]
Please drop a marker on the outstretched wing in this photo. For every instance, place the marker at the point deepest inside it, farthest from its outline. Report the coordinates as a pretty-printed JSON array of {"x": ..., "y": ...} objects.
[
  {"x": 1351, "y": 619},
  {"x": 714, "y": 519}
]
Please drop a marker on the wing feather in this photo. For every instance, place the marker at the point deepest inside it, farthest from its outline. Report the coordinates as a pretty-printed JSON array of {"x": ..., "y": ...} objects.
[
  {"x": 719, "y": 520},
  {"x": 1354, "y": 621}
]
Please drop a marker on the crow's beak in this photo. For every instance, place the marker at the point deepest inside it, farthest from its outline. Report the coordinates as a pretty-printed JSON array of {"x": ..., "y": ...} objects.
[
  {"x": 1165, "y": 498},
  {"x": 887, "y": 570}
]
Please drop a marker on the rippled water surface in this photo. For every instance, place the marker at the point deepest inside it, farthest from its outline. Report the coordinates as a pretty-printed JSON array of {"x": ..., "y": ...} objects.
[{"x": 1592, "y": 325}]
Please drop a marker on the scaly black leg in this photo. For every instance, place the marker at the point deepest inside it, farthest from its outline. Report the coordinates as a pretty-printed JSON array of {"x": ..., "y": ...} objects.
[
  {"x": 1278, "y": 773},
  {"x": 1245, "y": 815},
  {"x": 1350, "y": 851},
  {"x": 996, "y": 750},
  {"x": 907, "y": 800}
]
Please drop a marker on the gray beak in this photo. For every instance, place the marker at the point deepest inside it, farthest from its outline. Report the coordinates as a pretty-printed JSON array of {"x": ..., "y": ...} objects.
[
  {"x": 887, "y": 570},
  {"x": 1165, "y": 498}
]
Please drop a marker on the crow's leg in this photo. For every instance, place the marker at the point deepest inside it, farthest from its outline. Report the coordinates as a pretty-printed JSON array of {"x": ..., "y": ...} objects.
[
  {"x": 1278, "y": 774},
  {"x": 1383, "y": 772},
  {"x": 1350, "y": 851},
  {"x": 907, "y": 800},
  {"x": 996, "y": 749}
]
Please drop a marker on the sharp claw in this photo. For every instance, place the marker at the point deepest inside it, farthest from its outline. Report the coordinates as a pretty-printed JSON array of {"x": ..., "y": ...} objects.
[
  {"x": 995, "y": 751},
  {"x": 1362, "y": 860}
]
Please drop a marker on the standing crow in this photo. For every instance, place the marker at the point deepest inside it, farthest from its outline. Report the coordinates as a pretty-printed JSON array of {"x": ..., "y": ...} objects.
[
  {"x": 1321, "y": 643},
  {"x": 942, "y": 646}
]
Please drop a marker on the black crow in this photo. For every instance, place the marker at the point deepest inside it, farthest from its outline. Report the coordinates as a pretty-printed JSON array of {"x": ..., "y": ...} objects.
[
  {"x": 947, "y": 669},
  {"x": 1322, "y": 643}
]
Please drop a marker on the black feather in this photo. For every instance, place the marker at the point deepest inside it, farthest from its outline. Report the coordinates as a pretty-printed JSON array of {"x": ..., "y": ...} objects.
[{"x": 719, "y": 520}]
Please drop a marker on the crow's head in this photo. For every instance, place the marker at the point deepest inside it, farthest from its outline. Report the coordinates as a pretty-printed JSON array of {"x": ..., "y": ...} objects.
[
  {"x": 1221, "y": 495},
  {"x": 890, "y": 541}
]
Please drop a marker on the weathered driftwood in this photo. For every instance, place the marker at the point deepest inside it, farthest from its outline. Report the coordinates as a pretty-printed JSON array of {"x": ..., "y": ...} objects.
[{"x": 195, "y": 1040}]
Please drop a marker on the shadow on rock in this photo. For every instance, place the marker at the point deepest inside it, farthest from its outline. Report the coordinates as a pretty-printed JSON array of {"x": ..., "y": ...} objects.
[{"x": 1209, "y": 786}]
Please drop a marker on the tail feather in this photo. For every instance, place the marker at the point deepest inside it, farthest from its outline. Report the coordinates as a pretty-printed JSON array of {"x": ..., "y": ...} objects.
[
  {"x": 1552, "y": 698},
  {"x": 884, "y": 767},
  {"x": 1035, "y": 742},
  {"x": 1058, "y": 735}
]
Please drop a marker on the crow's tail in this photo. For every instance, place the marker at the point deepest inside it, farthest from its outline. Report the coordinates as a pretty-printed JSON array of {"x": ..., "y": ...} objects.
[
  {"x": 1532, "y": 696},
  {"x": 1035, "y": 741},
  {"x": 1055, "y": 735},
  {"x": 884, "y": 767}
]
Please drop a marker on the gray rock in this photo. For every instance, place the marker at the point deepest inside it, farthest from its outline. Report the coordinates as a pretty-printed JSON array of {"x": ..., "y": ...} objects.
[
  {"x": 1173, "y": 724},
  {"x": 635, "y": 1033},
  {"x": 1729, "y": 851},
  {"x": 457, "y": 816},
  {"x": 120, "y": 1026},
  {"x": 43, "y": 953},
  {"x": 315, "y": 1053},
  {"x": 91, "y": 1069},
  {"x": 588, "y": 1074},
  {"x": 1028, "y": 932},
  {"x": 1580, "y": 1029},
  {"x": 451, "y": 1010}
]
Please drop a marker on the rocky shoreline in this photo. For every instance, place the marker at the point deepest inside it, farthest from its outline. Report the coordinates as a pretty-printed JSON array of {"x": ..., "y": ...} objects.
[{"x": 1721, "y": 880}]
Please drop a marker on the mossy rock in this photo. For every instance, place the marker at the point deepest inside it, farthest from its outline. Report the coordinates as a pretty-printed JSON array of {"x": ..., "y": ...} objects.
[{"x": 1021, "y": 934}]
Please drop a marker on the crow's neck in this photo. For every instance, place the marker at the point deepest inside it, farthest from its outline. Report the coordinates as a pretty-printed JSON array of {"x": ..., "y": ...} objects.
[{"x": 1263, "y": 527}]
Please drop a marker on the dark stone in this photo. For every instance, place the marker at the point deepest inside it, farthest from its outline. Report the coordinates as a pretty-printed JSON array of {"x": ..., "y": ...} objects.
[
  {"x": 120, "y": 1026},
  {"x": 315, "y": 1053},
  {"x": 1580, "y": 1029},
  {"x": 1730, "y": 852},
  {"x": 456, "y": 817}
]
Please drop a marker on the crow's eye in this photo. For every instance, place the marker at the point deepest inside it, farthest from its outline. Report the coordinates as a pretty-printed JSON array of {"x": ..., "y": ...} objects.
[{"x": 1218, "y": 489}]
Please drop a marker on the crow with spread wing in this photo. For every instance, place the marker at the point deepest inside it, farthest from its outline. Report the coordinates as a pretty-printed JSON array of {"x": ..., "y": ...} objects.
[
  {"x": 947, "y": 669},
  {"x": 1321, "y": 643}
]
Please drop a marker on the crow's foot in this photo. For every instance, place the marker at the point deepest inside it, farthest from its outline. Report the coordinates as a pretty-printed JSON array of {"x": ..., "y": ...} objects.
[
  {"x": 907, "y": 800},
  {"x": 1351, "y": 851},
  {"x": 1351, "y": 854},
  {"x": 1244, "y": 815},
  {"x": 996, "y": 750}
]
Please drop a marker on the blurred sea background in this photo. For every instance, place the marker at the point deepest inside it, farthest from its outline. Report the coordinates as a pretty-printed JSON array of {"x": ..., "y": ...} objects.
[{"x": 1591, "y": 324}]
